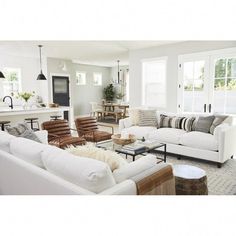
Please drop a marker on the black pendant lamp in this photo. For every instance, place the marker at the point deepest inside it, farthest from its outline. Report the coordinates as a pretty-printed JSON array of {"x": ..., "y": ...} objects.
[
  {"x": 41, "y": 76},
  {"x": 1, "y": 75}
]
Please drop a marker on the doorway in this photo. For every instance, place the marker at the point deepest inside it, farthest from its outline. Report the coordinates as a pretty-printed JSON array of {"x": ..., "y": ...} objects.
[{"x": 61, "y": 92}]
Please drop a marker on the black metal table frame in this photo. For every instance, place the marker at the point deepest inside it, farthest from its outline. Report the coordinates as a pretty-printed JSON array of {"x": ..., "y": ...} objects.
[{"x": 148, "y": 150}]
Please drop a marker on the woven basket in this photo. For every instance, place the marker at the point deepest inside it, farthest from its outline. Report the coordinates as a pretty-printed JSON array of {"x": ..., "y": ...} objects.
[{"x": 121, "y": 141}]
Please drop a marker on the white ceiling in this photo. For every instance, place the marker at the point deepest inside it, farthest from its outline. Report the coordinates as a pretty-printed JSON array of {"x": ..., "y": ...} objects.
[{"x": 103, "y": 53}]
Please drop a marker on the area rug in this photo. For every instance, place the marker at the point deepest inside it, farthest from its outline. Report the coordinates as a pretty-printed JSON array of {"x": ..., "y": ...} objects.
[{"x": 221, "y": 181}]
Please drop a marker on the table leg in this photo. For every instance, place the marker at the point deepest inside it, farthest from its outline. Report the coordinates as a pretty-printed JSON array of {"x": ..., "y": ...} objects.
[
  {"x": 134, "y": 158},
  {"x": 165, "y": 153}
]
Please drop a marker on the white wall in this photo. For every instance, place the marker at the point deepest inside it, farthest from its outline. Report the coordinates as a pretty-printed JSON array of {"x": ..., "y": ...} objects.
[
  {"x": 82, "y": 95},
  {"x": 172, "y": 51},
  {"x": 29, "y": 71}
]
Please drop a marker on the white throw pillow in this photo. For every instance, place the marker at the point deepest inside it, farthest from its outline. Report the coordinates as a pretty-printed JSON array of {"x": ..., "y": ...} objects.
[
  {"x": 5, "y": 139},
  {"x": 134, "y": 168},
  {"x": 28, "y": 150},
  {"x": 113, "y": 159},
  {"x": 134, "y": 115},
  {"x": 42, "y": 136},
  {"x": 93, "y": 175}
]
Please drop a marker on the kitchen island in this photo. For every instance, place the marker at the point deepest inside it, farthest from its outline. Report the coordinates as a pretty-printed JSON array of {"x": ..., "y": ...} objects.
[{"x": 18, "y": 114}]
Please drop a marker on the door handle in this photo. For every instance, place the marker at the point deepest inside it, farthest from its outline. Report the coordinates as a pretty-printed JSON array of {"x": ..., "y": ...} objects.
[
  {"x": 209, "y": 108},
  {"x": 205, "y": 106}
]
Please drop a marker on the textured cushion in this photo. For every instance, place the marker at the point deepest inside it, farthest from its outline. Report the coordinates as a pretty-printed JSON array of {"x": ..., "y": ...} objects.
[
  {"x": 167, "y": 135},
  {"x": 113, "y": 159},
  {"x": 199, "y": 140},
  {"x": 139, "y": 131},
  {"x": 28, "y": 150},
  {"x": 148, "y": 118},
  {"x": 187, "y": 123},
  {"x": 5, "y": 139},
  {"x": 165, "y": 121},
  {"x": 42, "y": 136},
  {"x": 87, "y": 173},
  {"x": 22, "y": 130},
  {"x": 134, "y": 168},
  {"x": 217, "y": 121},
  {"x": 134, "y": 115},
  {"x": 204, "y": 123}
]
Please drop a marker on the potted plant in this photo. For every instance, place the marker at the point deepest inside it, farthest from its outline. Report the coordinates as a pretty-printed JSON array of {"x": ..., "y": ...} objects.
[{"x": 109, "y": 93}]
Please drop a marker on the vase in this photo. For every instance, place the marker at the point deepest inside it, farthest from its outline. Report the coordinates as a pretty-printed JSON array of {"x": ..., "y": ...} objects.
[{"x": 25, "y": 105}]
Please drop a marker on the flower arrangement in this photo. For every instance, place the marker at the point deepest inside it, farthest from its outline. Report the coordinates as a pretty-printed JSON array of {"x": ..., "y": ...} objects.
[{"x": 25, "y": 96}]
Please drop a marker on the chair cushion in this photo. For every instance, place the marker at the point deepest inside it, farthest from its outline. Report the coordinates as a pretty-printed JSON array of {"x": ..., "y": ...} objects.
[
  {"x": 67, "y": 141},
  {"x": 167, "y": 135},
  {"x": 98, "y": 136},
  {"x": 139, "y": 131},
  {"x": 199, "y": 140},
  {"x": 87, "y": 173}
]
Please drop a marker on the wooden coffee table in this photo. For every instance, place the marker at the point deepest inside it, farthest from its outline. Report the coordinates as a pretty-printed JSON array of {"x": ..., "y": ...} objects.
[{"x": 109, "y": 145}]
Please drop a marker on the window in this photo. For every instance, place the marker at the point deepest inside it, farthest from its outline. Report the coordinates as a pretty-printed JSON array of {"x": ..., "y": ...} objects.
[
  {"x": 225, "y": 85},
  {"x": 80, "y": 78},
  {"x": 193, "y": 85},
  {"x": 12, "y": 81},
  {"x": 97, "y": 79},
  {"x": 208, "y": 82},
  {"x": 154, "y": 82}
]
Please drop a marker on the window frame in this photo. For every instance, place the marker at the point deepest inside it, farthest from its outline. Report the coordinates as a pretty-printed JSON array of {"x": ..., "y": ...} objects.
[
  {"x": 210, "y": 57},
  {"x": 143, "y": 102},
  {"x": 85, "y": 74},
  {"x": 95, "y": 73},
  {"x": 19, "y": 82}
]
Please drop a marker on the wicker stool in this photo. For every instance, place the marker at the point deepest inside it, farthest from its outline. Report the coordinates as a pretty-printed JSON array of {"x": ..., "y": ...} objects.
[
  {"x": 190, "y": 180},
  {"x": 4, "y": 124},
  {"x": 32, "y": 121},
  {"x": 55, "y": 117}
]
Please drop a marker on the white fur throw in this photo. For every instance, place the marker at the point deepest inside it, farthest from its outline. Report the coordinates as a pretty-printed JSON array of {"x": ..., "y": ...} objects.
[{"x": 113, "y": 159}]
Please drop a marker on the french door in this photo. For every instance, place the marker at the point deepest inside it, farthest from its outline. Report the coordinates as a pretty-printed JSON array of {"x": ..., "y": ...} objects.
[
  {"x": 194, "y": 90},
  {"x": 207, "y": 84}
]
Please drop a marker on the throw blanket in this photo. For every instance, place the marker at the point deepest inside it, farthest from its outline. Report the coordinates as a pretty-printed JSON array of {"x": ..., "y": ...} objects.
[{"x": 156, "y": 181}]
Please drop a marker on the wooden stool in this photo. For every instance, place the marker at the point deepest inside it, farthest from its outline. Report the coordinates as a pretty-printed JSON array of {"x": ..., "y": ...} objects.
[
  {"x": 4, "y": 124},
  {"x": 55, "y": 117},
  {"x": 190, "y": 180},
  {"x": 32, "y": 121}
]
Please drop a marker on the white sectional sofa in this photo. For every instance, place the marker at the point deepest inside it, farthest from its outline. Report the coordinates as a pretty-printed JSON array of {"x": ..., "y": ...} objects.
[
  {"x": 29, "y": 167},
  {"x": 217, "y": 148}
]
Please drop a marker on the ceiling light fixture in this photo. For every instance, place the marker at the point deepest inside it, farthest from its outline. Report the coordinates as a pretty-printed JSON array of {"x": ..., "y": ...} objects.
[
  {"x": 118, "y": 75},
  {"x": 41, "y": 76}
]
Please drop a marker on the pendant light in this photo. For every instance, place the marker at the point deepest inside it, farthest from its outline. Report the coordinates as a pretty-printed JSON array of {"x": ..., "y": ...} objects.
[
  {"x": 118, "y": 75},
  {"x": 1, "y": 75},
  {"x": 41, "y": 76}
]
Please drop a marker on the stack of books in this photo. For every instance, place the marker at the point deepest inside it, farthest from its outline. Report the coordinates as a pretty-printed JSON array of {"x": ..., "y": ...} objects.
[{"x": 133, "y": 149}]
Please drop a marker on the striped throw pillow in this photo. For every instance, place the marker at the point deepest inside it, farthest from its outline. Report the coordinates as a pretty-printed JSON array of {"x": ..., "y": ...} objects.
[
  {"x": 147, "y": 118},
  {"x": 187, "y": 123},
  {"x": 165, "y": 121},
  {"x": 176, "y": 122}
]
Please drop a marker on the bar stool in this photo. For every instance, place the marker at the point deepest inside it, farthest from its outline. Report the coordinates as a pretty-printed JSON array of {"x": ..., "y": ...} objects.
[
  {"x": 4, "y": 124},
  {"x": 32, "y": 121},
  {"x": 55, "y": 117}
]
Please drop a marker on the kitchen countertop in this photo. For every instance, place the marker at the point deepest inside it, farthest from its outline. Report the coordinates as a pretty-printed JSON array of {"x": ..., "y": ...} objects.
[{"x": 5, "y": 111}]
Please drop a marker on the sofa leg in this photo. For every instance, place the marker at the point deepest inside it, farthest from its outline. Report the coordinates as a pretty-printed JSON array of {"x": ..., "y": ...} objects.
[
  {"x": 219, "y": 165},
  {"x": 232, "y": 157},
  {"x": 179, "y": 157}
]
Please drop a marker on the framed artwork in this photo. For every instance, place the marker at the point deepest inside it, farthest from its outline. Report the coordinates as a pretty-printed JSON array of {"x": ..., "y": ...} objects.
[{"x": 80, "y": 78}]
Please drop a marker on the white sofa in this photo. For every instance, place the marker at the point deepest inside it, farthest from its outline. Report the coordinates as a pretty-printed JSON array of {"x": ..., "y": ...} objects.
[
  {"x": 28, "y": 167},
  {"x": 216, "y": 148}
]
